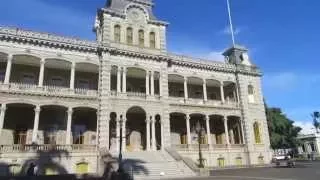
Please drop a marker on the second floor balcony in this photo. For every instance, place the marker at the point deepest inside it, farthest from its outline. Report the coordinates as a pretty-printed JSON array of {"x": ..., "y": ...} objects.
[{"x": 29, "y": 74}]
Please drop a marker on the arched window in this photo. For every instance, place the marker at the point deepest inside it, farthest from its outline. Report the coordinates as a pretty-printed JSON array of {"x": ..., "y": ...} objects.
[
  {"x": 251, "y": 94},
  {"x": 141, "y": 38},
  {"x": 152, "y": 40},
  {"x": 257, "y": 135},
  {"x": 117, "y": 33},
  {"x": 129, "y": 35},
  {"x": 221, "y": 162},
  {"x": 82, "y": 168}
]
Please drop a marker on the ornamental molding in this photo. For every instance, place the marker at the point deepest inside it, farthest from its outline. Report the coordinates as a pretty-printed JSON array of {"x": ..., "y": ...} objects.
[{"x": 60, "y": 42}]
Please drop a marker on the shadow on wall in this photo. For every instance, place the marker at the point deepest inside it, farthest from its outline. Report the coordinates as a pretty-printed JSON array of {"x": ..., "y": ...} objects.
[{"x": 130, "y": 166}]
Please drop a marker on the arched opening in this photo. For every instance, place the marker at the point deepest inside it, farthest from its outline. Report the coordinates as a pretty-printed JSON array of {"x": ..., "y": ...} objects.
[
  {"x": 230, "y": 92},
  {"x": 136, "y": 129},
  {"x": 251, "y": 98},
  {"x": 113, "y": 132},
  {"x": 86, "y": 76},
  {"x": 158, "y": 131},
  {"x": 257, "y": 134},
  {"x": 57, "y": 73},
  {"x": 176, "y": 87},
  {"x": 234, "y": 127},
  {"x": 217, "y": 129},
  {"x": 117, "y": 33},
  {"x": 3, "y": 66},
  {"x": 194, "y": 119},
  {"x": 178, "y": 131},
  {"x": 213, "y": 90},
  {"x": 52, "y": 125},
  {"x": 25, "y": 69},
  {"x": 141, "y": 38},
  {"x": 136, "y": 80},
  {"x": 129, "y": 35},
  {"x": 82, "y": 168},
  {"x": 152, "y": 38},
  {"x": 84, "y": 126},
  {"x": 195, "y": 88},
  {"x": 18, "y": 124}
]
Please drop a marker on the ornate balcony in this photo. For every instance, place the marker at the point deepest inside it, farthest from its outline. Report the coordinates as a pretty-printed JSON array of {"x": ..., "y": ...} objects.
[
  {"x": 23, "y": 88},
  {"x": 18, "y": 148}
]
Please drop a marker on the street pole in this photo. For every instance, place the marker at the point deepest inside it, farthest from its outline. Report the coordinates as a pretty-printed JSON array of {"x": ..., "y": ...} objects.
[{"x": 120, "y": 170}]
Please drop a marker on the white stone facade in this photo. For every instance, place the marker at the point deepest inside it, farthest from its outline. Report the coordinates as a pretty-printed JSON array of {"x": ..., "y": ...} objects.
[{"x": 126, "y": 78}]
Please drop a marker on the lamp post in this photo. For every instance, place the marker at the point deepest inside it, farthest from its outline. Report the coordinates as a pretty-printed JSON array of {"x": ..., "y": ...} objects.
[{"x": 199, "y": 131}]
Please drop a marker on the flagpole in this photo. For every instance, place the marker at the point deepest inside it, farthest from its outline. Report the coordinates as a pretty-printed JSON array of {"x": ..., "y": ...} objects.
[{"x": 231, "y": 26}]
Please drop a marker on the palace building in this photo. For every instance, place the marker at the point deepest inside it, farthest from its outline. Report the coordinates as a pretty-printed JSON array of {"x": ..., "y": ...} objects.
[{"x": 65, "y": 100}]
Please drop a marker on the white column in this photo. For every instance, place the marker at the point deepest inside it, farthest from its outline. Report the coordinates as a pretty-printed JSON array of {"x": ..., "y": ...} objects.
[
  {"x": 208, "y": 130},
  {"x": 152, "y": 83},
  {"x": 237, "y": 93},
  {"x": 147, "y": 83},
  {"x": 118, "y": 133},
  {"x": 8, "y": 69},
  {"x": 160, "y": 84},
  {"x": 36, "y": 124},
  {"x": 185, "y": 85},
  {"x": 148, "y": 133},
  {"x": 162, "y": 135},
  {"x": 222, "y": 92},
  {"x": 232, "y": 136},
  {"x": 205, "y": 97},
  {"x": 124, "y": 143},
  {"x": 124, "y": 80},
  {"x": 2, "y": 114},
  {"x": 72, "y": 76},
  {"x": 225, "y": 120},
  {"x": 188, "y": 129},
  {"x": 41, "y": 73},
  {"x": 153, "y": 130},
  {"x": 69, "y": 122},
  {"x": 119, "y": 80}
]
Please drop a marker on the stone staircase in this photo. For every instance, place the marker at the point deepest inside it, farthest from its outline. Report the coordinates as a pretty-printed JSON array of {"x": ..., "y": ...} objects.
[{"x": 154, "y": 165}]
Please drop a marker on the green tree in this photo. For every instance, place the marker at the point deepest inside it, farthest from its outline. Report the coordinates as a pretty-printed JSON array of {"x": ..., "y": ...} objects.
[{"x": 283, "y": 134}]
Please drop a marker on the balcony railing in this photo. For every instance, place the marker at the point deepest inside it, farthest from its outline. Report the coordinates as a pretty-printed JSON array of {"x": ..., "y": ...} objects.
[
  {"x": 45, "y": 148},
  {"x": 48, "y": 90},
  {"x": 195, "y": 147},
  {"x": 181, "y": 100}
]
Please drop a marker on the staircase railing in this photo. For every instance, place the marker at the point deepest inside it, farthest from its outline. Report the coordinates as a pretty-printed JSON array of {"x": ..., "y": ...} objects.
[{"x": 189, "y": 162}]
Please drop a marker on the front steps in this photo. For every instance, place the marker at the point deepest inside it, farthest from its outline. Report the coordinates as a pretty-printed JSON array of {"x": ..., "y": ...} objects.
[{"x": 154, "y": 165}]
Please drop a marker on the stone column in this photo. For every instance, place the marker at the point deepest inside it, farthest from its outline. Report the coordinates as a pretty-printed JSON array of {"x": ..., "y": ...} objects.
[
  {"x": 152, "y": 83},
  {"x": 119, "y": 80},
  {"x": 41, "y": 73},
  {"x": 118, "y": 133},
  {"x": 205, "y": 96},
  {"x": 153, "y": 130},
  {"x": 185, "y": 85},
  {"x": 2, "y": 115},
  {"x": 36, "y": 124},
  {"x": 162, "y": 135},
  {"x": 232, "y": 136},
  {"x": 72, "y": 76},
  {"x": 225, "y": 120},
  {"x": 222, "y": 92},
  {"x": 69, "y": 123},
  {"x": 188, "y": 129},
  {"x": 124, "y": 139},
  {"x": 160, "y": 85},
  {"x": 208, "y": 130},
  {"x": 8, "y": 69},
  {"x": 147, "y": 83},
  {"x": 148, "y": 133},
  {"x": 124, "y": 80}
]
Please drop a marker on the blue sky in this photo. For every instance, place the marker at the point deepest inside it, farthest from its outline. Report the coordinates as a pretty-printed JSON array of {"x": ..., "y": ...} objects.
[{"x": 282, "y": 37}]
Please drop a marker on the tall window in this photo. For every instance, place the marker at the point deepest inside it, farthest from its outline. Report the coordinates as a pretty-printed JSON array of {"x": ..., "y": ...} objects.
[
  {"x": 129, "y": 35},
  {"x": 117, "y": 33},
  {"x": 251, "y": 94},
  {"x": 141, "y": 38},
  {"x": 152, "y": 40},
  {"x": 257, "y": 134}
]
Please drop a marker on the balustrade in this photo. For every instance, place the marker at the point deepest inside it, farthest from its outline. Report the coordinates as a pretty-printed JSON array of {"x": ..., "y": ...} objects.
[{"x": 46, "y": 147}]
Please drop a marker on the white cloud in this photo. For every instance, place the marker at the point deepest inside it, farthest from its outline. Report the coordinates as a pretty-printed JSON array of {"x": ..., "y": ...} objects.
[{"x": 307, "y": 127}]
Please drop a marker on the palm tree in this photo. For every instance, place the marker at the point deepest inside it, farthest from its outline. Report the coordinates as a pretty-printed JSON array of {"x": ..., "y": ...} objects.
[{"x": 316, "y": 123}]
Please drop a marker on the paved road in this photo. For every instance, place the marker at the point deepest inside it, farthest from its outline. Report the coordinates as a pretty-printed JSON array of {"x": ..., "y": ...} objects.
[{"x": 303, "y": 171}]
